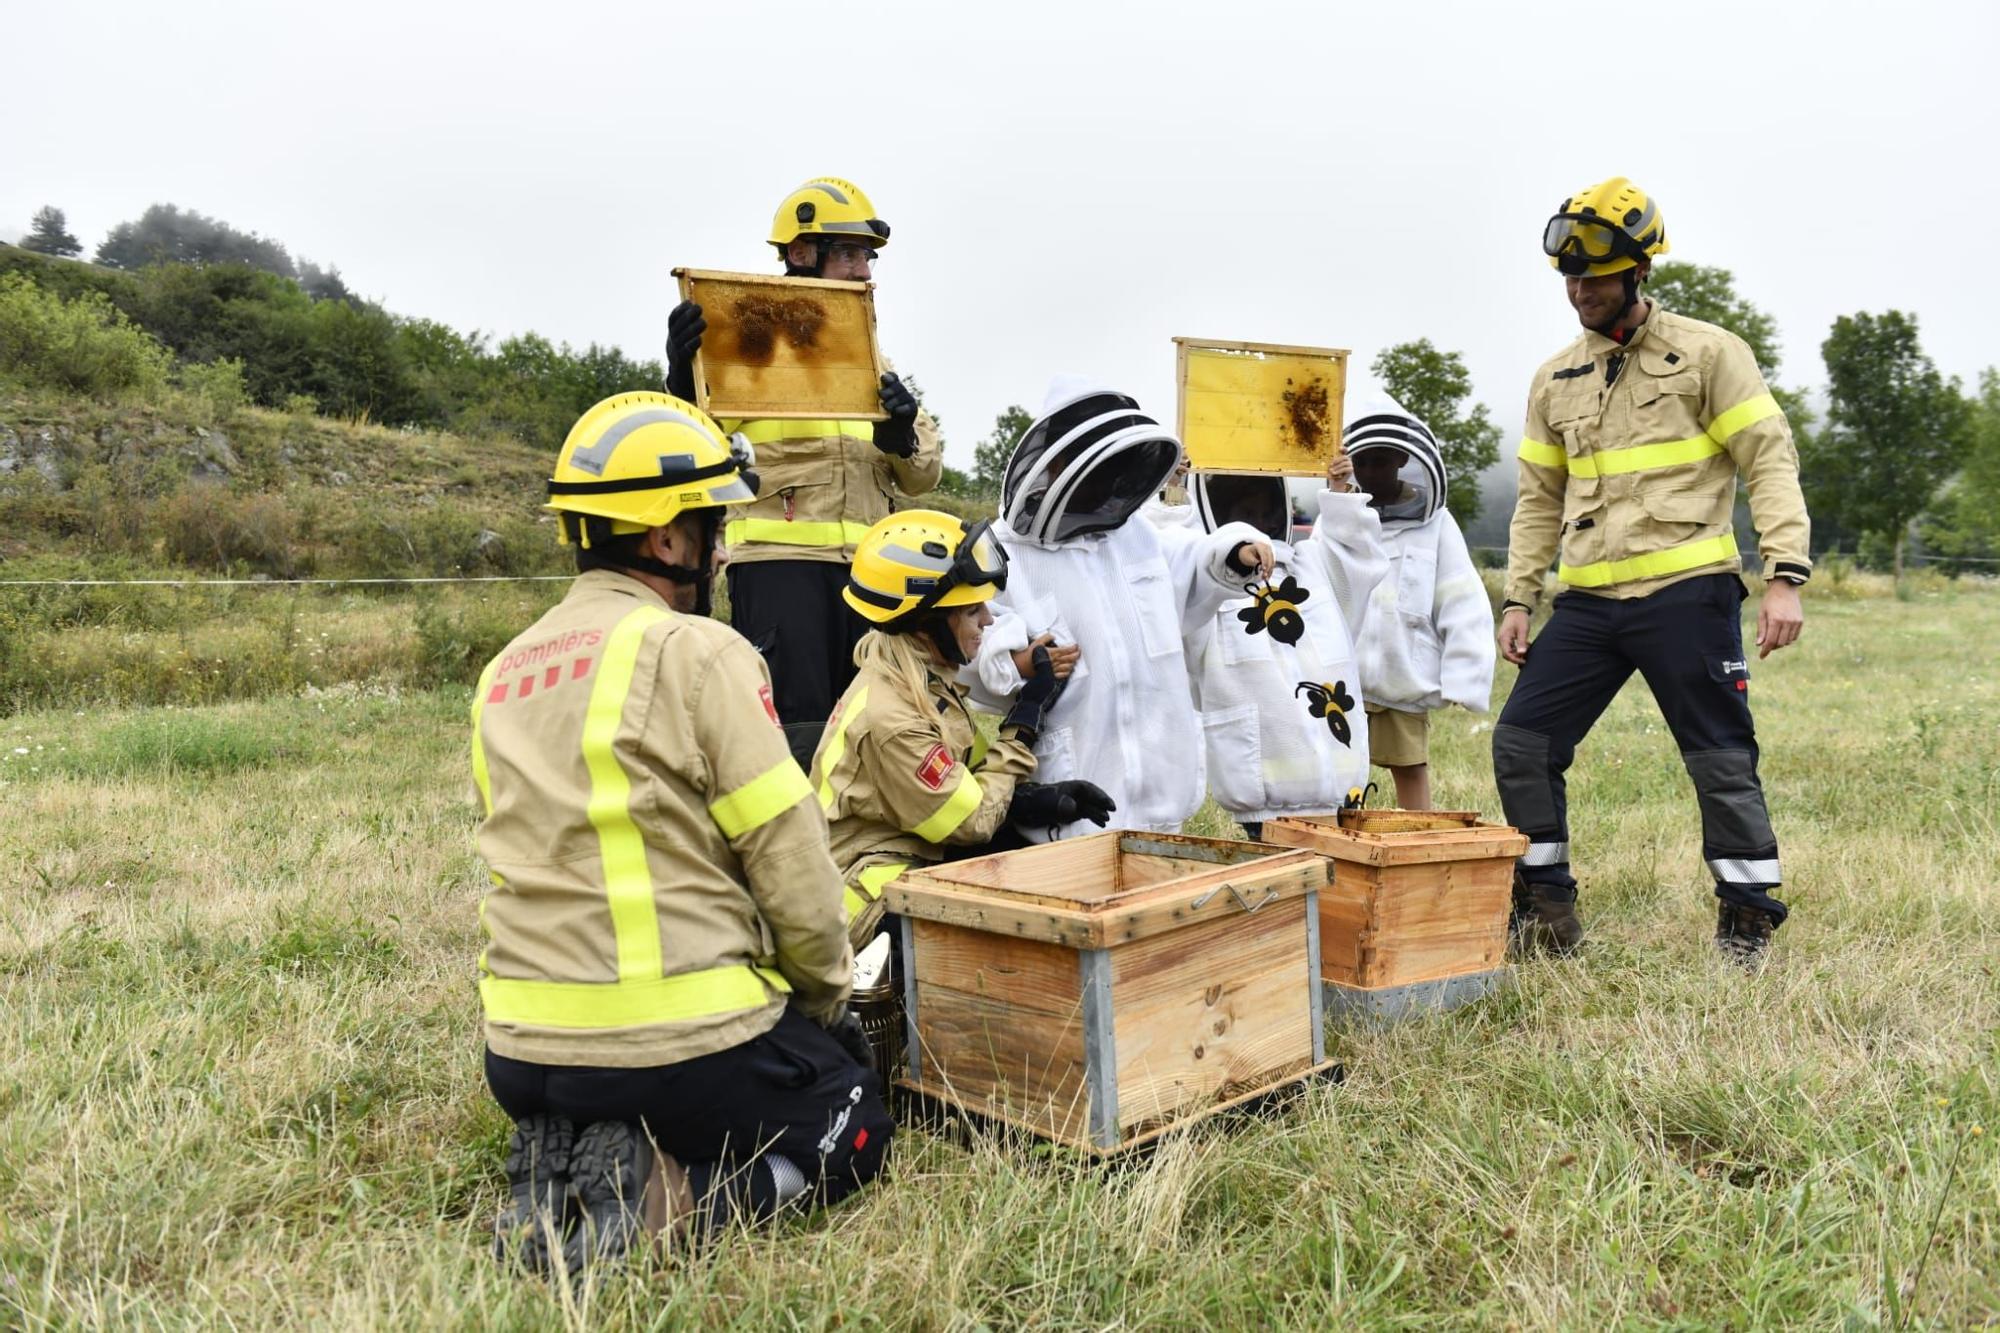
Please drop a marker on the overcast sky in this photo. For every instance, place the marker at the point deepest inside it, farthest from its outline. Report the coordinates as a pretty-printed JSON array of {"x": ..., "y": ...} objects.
[{"x": 1070, "y": 184}]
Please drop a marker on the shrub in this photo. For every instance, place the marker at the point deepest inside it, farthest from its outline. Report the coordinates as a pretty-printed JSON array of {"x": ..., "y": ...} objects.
[
  {"x": 233, "y": 532},
  {"x": 217, "y": 386},
  {"x": 455, "y": 645},
  {"x": 80, "y": 346}
]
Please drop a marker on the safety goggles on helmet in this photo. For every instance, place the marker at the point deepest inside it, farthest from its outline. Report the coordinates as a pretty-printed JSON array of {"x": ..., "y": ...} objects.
[
  {"x": 1576, "y": 241},
  {"x": 853, "y": 252},
  {"x": 979, "y": 559}
]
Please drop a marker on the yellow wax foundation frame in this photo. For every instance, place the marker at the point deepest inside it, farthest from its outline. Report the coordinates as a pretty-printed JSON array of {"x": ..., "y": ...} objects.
[
  {"x": 785, "y": 348},
  {"x": 1260, "y": 407}
]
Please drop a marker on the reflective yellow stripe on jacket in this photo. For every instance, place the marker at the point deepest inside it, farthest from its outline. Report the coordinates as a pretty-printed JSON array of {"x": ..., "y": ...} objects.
[
  {"x": 739, "y": 531},
  {"x": 869, "y": 885},
  {"x": 957, "y": 808},
  {"x": 640, "y": 996},
  {"x": 837, "y": 747},
  {"x": 1652, "y": 565},
  {"x": 1648, "y": 457}
]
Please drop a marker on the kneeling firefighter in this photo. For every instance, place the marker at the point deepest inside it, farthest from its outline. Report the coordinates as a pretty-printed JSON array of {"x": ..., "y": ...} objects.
[
  {"x": 666, "y": 980},
  {"x": 901, "y": 772}
]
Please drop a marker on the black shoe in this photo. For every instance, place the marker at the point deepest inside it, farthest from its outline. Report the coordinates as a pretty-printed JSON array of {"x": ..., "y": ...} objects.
[
  {"x": 1743, "y": 934},
  {"x": 537, "y": 1216},
  {"x": 1543, "y": 920},
  {"x": 610, "y": 1171}
]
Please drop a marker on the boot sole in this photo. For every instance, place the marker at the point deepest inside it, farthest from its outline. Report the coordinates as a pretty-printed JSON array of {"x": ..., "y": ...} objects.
[
  {"x": 608, "y": 1172},
  {"x": 539, "y": 1156}
]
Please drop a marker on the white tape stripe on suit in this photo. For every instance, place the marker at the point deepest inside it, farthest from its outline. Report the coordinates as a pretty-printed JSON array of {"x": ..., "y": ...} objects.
[
  {"x": 1546, "y": 854},
  {"x": 1746, "y": 872}
]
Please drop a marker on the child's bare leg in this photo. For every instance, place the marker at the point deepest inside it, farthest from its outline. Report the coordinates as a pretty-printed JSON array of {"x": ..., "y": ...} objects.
[{"x": 1413, "y": 785}]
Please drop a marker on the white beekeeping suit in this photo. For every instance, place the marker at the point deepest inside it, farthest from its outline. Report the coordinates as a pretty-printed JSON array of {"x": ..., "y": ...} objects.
[
  {"x": 1275, "y": 674},
  {"x": 1427, "y": 640},
  {"x": 1083, "y": 567}
]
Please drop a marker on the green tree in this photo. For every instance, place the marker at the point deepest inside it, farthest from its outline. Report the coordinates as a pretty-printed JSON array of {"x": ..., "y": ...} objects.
[
  {"x": 1896, "y": 430},
  {"x": 1434, "y": 385},
  {"x": 1709, "y": 294},
  {"x": 990, "y": 455},
  {"x": 1965, "y": 523},
  {"x": 50, "y": 234},
  {"x": 164, "y": 234}
]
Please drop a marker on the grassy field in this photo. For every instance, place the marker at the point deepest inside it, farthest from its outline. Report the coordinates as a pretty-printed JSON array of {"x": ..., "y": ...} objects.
[{"x": 239, "y": 1079}]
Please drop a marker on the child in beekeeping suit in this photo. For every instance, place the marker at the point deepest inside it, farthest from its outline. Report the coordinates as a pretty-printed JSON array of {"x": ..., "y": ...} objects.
[
  {"x": 1085, "y": 571},
  {"x": 1428, "y": 637},
  {"x": 1274, "y": 672}
]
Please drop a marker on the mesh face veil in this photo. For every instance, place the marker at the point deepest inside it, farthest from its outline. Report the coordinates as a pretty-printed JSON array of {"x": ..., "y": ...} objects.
[
  {"x": 1086, "y": 466},
  {"x": 1385, "y": 425},
  {"x": 1261, "y": 501}
]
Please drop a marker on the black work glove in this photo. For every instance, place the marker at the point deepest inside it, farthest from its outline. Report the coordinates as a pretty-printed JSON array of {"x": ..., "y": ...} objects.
[
  {"x": 847, "y": 1031},
  {"x": 897, "y": 435},
  {"x": 1037, "y": 697},
  {"x": 685, "y": 326},
  {"x": 1045, "y": 805}
]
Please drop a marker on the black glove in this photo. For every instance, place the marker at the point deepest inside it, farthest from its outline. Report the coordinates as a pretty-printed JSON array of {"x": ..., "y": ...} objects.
[
  {"x": 1037, "y": 697},
  {"x": 847, "y": 1031},
  {"x": 897, "y": 435},
  {"x": 685, "y": 326},
  {"x": 1045, "y": 805}
]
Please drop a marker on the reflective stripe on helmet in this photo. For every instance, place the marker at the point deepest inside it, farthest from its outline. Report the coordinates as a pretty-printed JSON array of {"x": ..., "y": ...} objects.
[
  {"x": 1652, "y": 565},
  {"x": 778, "y": 532},
  {"x": 628, "y": 881},
  {"x": 760, "y": 800},
  {"x": 837, "y": 746},
  {"x": 637, "y": 1002},
  {"x": 958, "y": 807}
]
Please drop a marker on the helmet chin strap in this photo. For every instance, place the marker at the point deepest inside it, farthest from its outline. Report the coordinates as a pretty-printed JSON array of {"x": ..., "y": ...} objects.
[{"x": 937, "y": 628}]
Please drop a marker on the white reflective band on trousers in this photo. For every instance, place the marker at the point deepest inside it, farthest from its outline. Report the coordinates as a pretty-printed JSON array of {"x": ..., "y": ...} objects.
[
  {"x": 1736, "y": 871},
  {"x": 1546, "y": 854}
]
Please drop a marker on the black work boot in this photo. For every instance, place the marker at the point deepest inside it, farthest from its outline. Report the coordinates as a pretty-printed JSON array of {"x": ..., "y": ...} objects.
[
  {"x": 537, "y": 1216},
  {"x": 1743, "y": 934},
  {"x": 1543, "y": 920},
  {"x": 627, "y": 1191}
]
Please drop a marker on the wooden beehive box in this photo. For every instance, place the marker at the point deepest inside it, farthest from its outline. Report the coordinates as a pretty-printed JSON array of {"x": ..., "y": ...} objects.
[
  {"x": 785, "y": 348},
  {"x": 1260, "y": 407},
  {"x": 1417, "y": 896},
  {"x": 1103, "y": 990}
]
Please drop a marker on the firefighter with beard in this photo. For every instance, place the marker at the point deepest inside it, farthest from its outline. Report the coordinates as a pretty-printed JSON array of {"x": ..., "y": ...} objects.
[{"x": 1637, "y": 434}]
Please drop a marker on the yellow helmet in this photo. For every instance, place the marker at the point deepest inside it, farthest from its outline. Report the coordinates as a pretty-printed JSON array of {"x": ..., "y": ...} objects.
[
  {"x": 1605, "y": 229},
  {"x": 828, "y": 206},
  {"x": 919, "y": 560},
  {"x": 636, "y": 460}
]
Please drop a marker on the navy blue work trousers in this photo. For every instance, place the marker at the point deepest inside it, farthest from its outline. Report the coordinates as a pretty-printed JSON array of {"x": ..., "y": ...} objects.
[{"x": 1687, "y": 641}]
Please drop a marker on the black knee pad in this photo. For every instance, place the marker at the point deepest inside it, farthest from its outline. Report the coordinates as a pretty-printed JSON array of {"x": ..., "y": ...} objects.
[
  {"x": 1521, "y": 771},
  {"x": 1734, "y": 817}
]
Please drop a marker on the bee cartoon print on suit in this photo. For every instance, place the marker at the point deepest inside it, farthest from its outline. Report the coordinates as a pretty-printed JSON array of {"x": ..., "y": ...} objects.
[
  {"x": 1275, "y": 609},
  {"x": 1331, "y": 702}
]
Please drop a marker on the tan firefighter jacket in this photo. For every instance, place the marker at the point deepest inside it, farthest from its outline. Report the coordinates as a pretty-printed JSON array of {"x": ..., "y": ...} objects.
[
  {"x": 822, "y": 485},
  {"x": 902, "y": 772},
  {"x": 1637, "y": 479},
  {"x": 660, "y": 871}
]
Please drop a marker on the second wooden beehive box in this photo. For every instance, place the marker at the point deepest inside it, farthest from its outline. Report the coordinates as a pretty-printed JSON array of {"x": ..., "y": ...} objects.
[
  {"x": 1102, "y": 990},
  {"x": 1416, "y": 913}
]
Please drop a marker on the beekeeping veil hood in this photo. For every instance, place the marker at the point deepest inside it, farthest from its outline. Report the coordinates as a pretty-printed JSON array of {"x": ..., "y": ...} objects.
[
  {"x": 1086, "y": 465},
  {"x": 1262, "y": 501},
  {"x": 1383, "y": 424}
]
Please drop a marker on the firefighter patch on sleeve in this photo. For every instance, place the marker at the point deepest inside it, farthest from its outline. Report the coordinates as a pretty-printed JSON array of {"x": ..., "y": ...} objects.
[
  {"x": 770, "y": 709},
  {"x": 936, "y": 767}
]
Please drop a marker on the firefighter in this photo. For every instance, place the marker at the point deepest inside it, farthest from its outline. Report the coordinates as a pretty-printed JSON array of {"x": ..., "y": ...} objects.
[
  {"x": 666, "y": 975},
  {"x": 902, "y": 773},
  {"x": 1637, "y": 433},
  {"x": 825, "y": 482}
]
